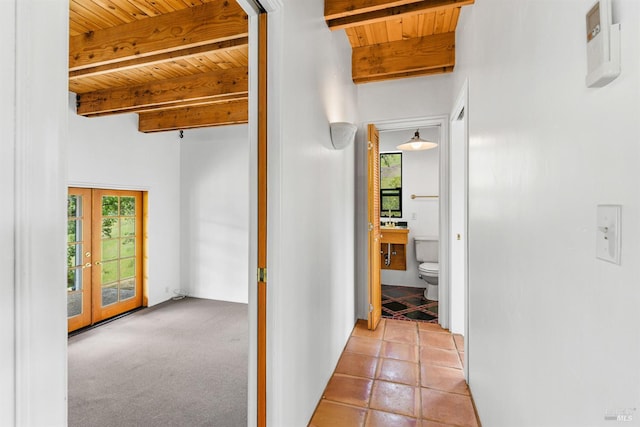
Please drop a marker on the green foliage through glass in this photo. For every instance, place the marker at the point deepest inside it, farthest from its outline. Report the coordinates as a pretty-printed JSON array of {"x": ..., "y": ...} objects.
[{"x": 391, "y": 185}]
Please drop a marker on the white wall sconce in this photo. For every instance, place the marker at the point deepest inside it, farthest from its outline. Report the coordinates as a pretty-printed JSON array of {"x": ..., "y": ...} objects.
[{"x": 342, "y": 134}]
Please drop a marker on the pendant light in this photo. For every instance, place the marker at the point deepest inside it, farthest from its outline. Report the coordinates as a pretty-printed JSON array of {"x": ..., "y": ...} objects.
[{"x": 416, "y": 143}]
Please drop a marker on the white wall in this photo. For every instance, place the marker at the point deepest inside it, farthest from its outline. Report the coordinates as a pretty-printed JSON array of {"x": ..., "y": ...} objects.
[
  {"x": 7, "y": 224},
  {"x": 32, "y": 226},
  {"x": 311, "y": 210},
  {"x": 417, "y": 97},
  {"x": 420, "y": 176},
  {"x": 215, "y": 212},
  {"x": 554, "y": 335},
  {"x": 109, "y": 152}
]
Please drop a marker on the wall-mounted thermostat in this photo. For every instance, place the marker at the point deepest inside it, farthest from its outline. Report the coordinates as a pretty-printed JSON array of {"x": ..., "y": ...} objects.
[{"x": 603, "y": 45}]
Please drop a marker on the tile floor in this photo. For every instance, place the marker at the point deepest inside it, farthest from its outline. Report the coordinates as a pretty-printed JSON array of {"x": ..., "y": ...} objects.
[
  {"x": 408, "y": 303},
  {"x": 402, "y": 374}
]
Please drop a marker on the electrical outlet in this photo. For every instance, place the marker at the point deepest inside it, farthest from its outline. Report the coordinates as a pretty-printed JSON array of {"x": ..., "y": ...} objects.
[{"x": 414, "y": 216}]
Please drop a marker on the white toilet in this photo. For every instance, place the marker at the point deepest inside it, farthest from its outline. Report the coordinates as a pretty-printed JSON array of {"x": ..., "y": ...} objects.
[{"x": 427, "y": 248}]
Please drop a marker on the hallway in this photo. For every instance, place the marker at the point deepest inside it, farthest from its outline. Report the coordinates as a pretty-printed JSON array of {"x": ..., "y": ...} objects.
[{"x": 402, "y": 374}]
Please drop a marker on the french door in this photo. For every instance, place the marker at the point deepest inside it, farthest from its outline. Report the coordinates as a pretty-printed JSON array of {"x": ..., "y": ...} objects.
[{"x": 104, "y": 254}]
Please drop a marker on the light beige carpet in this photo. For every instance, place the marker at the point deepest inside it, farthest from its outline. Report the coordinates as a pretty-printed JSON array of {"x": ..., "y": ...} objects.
[{"x": 180, "y": 363}]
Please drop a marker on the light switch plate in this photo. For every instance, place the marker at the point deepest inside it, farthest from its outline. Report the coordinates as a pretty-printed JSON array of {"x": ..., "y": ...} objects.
[{"x": 608, "y": 233}]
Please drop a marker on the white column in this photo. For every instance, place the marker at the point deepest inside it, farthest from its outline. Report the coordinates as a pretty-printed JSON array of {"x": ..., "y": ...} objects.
[
  {"x": 7, "y": 124},
  {"x": 41, "y": 58}
]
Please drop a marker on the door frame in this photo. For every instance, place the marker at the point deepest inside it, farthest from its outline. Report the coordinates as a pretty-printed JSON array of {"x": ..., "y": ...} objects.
[
  {"x": 261, "y": 124},
  {"x": 442, "y": 122},
  {"x": 462, "y": 104},
  {"x": 145, "y": 221}
]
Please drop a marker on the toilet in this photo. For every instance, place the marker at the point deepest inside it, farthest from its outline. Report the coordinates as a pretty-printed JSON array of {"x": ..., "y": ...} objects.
[{"x": 427, "y": 248}]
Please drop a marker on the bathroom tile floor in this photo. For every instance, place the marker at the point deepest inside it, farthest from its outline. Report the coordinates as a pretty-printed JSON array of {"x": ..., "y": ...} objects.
[
  {"x": 407, "y": 303},
  {"x": 401, "y": 374}
]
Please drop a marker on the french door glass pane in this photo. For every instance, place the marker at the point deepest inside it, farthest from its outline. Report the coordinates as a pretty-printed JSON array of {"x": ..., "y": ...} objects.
[
  {"x": 127, "y": 289},
  {"x": 110, "y": 228},
  {"x": 74, "y": 255},
  {"x": 74, "y": 304},
  {"x": 109, "y": 294},
  {"x": 118, "y": 244}
]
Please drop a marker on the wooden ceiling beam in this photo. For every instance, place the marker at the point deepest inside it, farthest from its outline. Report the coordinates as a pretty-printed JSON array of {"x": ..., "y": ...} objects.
[
  {"x": 403, "y": 58},
  {"x": 160, "y": 58},
  {"x": 228, "y": 113},
  {"x": 360, "y": 12},
  {"x": 195, "y": 26},
  {"x": 186, "y": 90},
  {"x": 404, "y": 75},
  {"x": 341, "y": 8}
]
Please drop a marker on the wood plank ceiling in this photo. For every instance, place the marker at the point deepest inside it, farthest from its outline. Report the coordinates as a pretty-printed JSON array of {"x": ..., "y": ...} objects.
[
  {"x": 183, "y": 64},
  {"x": 179, "y": 64},
  {"x": 393, "y": 39}
]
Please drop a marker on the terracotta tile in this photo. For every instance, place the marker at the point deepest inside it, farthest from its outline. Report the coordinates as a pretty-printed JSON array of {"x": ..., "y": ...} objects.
[
  {"x": 331, "y": 414},
  {"x": 437, "y": 339},
  {"x": 440, "y": 357},
  {"x": 427, "y": 423},
  {"x": 398, "y": 371},
  {"x": 448, "y": 408},
  {"x": 396, "y": 398},
  {"x": 433, "y": 327},
  {"x": 459, "y": 340},
  {"x": 347, "y": 389},
  {"x": 461, "y": 355},
  {"x": 361, "y": 330},
  {"x": 400, "y": 351},
  {"x": 400, "y": 334},
  {"x": 393, "y": 323},
  {"x": 386, "y": 419},
  {"x": 443, "y": 379},
  {"x": 357, "y": 365},
  {"x": 369, "y": 346}
]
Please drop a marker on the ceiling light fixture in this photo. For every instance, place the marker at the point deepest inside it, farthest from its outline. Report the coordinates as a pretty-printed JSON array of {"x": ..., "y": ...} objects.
[{"x": 416, "y": 143}]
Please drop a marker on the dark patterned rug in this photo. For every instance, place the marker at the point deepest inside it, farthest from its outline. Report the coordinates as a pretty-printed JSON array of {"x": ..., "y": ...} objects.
[{"x": 407, "y": 303}]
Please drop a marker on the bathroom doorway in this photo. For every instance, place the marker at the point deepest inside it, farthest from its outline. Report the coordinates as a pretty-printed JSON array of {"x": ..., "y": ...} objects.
[
  {"x": 459, "y": 191},
  {"x": 408, "y": 186}
]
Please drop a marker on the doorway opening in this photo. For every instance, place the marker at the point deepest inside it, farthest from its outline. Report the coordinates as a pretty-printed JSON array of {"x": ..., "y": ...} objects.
[
  {"x": 409, "y": 210},
  {"x": 248, "y": 51},
  {"x": 408, "y": 223}
]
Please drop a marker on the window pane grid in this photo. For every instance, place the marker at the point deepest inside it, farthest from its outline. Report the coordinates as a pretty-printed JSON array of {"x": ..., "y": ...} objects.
[
  {"x": 391, "y": 185},
  {"x": 119, "y": 248}
]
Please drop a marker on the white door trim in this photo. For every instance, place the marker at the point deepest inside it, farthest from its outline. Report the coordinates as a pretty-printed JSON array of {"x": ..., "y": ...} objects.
[{"x": 462, "y": 105}]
